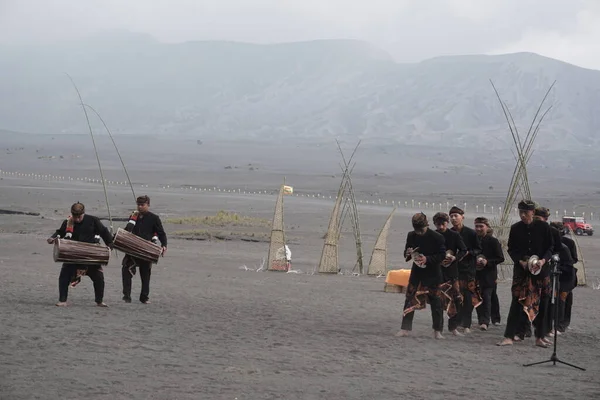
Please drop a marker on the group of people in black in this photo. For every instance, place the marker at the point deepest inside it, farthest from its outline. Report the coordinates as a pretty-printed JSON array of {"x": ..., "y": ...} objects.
[
  {"x": 455, "y": 270},
  {"x": 87, "y": 228}
]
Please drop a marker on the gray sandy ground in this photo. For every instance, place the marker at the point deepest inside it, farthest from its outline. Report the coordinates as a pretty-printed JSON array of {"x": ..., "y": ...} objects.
[{"x": 218, "y": 331}]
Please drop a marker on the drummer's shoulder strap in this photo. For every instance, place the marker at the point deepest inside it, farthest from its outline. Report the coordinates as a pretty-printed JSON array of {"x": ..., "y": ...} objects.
[
  {"x": 60, "y": 231},
  {"x": 132, "y": 221},
  {"x": 69, "y": 228}
]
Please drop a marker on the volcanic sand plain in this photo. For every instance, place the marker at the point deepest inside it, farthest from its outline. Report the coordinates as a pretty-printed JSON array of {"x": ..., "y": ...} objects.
[{"x": 219, "y": 329}]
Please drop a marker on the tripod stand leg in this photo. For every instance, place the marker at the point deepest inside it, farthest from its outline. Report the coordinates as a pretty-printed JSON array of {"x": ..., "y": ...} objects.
[
  {"x": 537, "y": 363},
  {"x": 555, "y": 303},
  {"x": 570, "y": 365}
]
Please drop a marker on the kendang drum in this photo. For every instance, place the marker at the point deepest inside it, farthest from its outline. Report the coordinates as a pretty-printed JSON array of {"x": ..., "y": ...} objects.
[
  {"x": 74, "y": 252},
  {"x": 136, "y": 246}
]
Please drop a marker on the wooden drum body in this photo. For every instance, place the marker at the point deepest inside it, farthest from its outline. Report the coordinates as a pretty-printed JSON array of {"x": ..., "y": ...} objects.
[
  {"x": 136, "y": 246},
  {"x": 74, "y": 252}
]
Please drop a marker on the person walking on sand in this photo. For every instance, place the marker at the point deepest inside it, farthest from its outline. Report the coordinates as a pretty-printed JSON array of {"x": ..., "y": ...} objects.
[
  {"x": 81, "y": 227},
  {"x": 528, "y": 238},
  {"x": 146, "y": 225},
  {"x": 426, "y": 249}
]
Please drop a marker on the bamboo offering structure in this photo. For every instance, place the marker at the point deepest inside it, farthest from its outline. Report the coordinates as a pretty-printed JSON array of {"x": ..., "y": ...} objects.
[
  {"x": 278, "y": 236},
  {"x": 378, "y": 264},
  {"x": 350, "y": 207},
  {"x": 519, "y": 184},
  {"x": 329, "y": 263}
]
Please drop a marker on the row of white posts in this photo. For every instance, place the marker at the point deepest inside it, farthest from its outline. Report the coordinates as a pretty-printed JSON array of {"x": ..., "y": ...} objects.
[{"x": 413, "y": 204}]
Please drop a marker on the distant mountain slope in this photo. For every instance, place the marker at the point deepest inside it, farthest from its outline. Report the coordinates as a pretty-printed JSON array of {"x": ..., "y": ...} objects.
[{"x": 311, "y": 90}]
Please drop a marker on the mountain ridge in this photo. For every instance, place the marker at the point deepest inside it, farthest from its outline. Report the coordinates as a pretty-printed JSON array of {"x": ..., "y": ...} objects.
[{"x": 301, "y": 90}]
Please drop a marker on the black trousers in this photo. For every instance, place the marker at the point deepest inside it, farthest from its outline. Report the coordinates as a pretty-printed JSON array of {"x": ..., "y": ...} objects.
[
  {"x": 514, "y": 321},
  {"x": 437, "y": 314},
  {"x": 68, "y": 271},
  {"x": 129, "y": 267},
  {"x": 564, "y": 312},
  {"x": 566, "y": 320},
  {"x": 524, "y": 328},
  {"x": 455, "y": 321},
  {"x": 543, "y": 321},
  {"x": 517, "y": 321},
  {"x": 484, "y": 311},
  {"x": 466, "y": 311},
  {"x": 495, "y": 306}
]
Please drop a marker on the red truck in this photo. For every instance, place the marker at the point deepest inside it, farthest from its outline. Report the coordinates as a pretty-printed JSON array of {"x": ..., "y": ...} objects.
[{"x": 578, "y": 225}]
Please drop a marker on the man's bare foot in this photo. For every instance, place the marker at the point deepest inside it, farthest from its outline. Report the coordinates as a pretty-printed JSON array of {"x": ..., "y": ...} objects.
[
  {"x": 547, "y": 341},
  {"x": 61, "y": 304},
  {"x": 517, "y": 339},
  {"x": 505, "y": 342},
  {"x": 541, "y": 343},
  {"x": 457, "y": 333},
  {"x": 403, "y": 333},
  {"x": 146, "y": 302},
  {"x": 466, "y": 331},
  {"x": 102, "y": 304},
  {"x": 438, "y": 335},
  {"x": 483, "y": 327}
]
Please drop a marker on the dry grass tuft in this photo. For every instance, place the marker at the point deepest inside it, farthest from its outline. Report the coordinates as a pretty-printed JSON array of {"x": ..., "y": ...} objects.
[
  {"x": 203, "y": 234},
  {"x": 221, "y": 219}
]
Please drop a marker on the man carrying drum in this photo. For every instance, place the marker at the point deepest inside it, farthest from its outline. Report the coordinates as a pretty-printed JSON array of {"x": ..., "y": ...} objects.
[
  {"x": 81, "y": 227},
  {"x": 146, "y": 225}
]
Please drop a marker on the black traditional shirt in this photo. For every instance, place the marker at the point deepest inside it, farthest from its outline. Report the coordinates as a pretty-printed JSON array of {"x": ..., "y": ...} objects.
[
  {"x": 492, "y": 251},
  {"x": 526, "y": 240},
  {"x": 454, "y": 242},
  {"x": 466, "y": 266},
  {"x": 86, "y": 230},
  {"x": 431, "y": 245},
  {"x": 146, "y": 226}
]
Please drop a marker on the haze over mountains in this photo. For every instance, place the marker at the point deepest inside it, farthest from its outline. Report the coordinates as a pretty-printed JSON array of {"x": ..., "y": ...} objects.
[{"x": 294, "y": 91}]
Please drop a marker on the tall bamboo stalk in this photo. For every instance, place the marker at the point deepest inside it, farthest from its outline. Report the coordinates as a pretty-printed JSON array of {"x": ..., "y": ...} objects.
[
  {"x": 519, "y": 183},
  {"x": 116, "y": 148},
  {"x": 87, "y": 118},
  {"x": 353, "y": 208}
]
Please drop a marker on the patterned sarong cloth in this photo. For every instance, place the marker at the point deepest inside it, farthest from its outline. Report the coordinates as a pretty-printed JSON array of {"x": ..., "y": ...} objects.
[
  {"x": 451, "y": 297},
  {"x": 546, "y": 286},
  {"x": 416, "y": 297},
  {"x": 528, "y": 292},
  {"x": 76, "y": 279},
  {"x": 130, "y": 263},
  {"x": 471, "y": 285}
]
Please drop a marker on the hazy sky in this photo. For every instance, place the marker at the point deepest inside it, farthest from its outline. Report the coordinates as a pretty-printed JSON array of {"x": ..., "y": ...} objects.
[{"x": 410, "y": 29}]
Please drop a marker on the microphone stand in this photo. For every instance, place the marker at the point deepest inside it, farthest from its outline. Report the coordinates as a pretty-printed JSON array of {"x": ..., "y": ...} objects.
[{"x": 555, "y": 293}]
